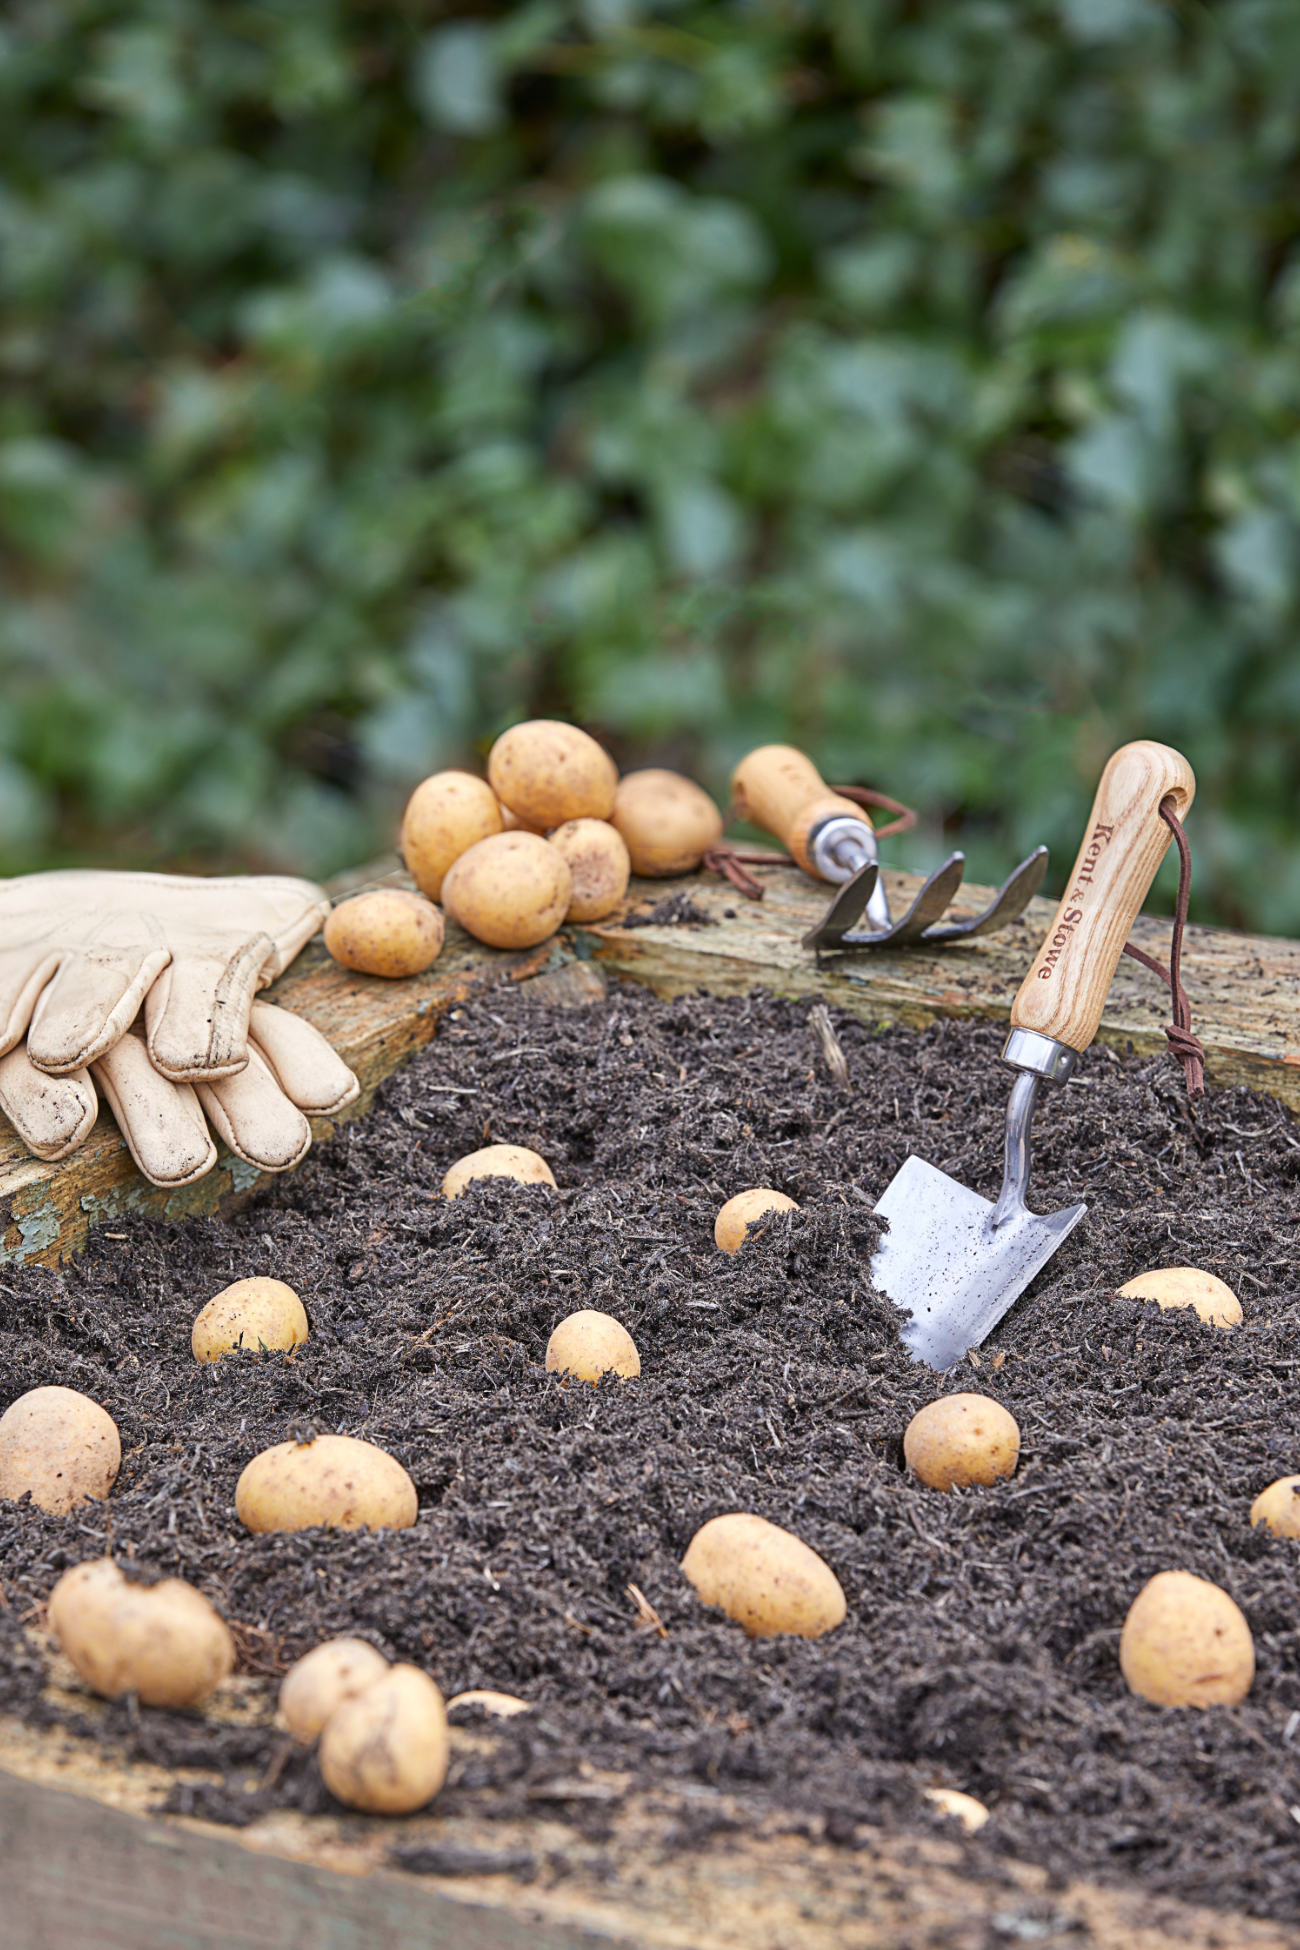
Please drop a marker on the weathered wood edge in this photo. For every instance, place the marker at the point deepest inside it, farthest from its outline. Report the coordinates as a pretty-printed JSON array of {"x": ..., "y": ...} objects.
[{"x": 1245, "y": 994}]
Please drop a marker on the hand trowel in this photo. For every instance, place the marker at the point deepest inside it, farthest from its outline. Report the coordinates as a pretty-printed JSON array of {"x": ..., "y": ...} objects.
[{"x": 955, "y": 1260}]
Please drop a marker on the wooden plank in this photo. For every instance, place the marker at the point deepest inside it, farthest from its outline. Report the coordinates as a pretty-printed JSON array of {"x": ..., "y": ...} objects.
[{"x": 1245, "y": 993}]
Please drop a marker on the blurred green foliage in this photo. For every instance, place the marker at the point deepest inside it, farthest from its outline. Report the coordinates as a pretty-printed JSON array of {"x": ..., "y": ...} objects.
[{"x": 916, "y": 382}]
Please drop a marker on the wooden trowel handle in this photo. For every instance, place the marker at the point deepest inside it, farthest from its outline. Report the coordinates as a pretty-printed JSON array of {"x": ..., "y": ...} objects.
[
  {"x": 783, "y": 792},
  {"x": 1065, "y": 991}
]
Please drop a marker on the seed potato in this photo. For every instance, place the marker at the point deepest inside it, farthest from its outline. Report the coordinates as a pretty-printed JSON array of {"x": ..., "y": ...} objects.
[
  {"x": 731, "y": 1227},
  {"x": 763, "y": 1577},
  {"x": 589, "y": 1344},
  {"x": 337, "y": 1482},
  {"x": 667, "y": 822},
  {"x": 962, "y": 1440},
  {"x": 388, "y": 931},
  {"x": 60, "y": 1446},
  {"x": 497, "y": 1161},
  {"x": 163, "y": 1642},
  {"x": 444, "y": 817},
  {"x": 1185, "y": 1643},
  {"x": 256, "y": 1313},
  {"x": 319, "y": 1683},
  {"x": 1187, "y": 1286},
  {"x": 386, "y": 1751},
  {"x": 500, "y": 1706},
  {"x": 972, "y": 1814},
  {"x": 547, "y": 772},
  {"x": 511, "y": 891},
  {"x": 598, "y": 867},
  {"x": 1279, "y": 1507}
]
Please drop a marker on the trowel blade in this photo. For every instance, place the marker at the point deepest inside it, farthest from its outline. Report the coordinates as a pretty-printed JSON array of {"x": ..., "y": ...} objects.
[{"x": 942, "y": 1259}]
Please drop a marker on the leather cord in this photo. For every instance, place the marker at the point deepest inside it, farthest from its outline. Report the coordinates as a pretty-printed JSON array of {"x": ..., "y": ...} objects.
[{"x": 1184, "y": 1044}]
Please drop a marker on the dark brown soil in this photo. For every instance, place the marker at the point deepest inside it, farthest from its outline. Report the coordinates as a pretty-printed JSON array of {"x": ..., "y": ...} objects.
[{"x": 980, "y": 1645}]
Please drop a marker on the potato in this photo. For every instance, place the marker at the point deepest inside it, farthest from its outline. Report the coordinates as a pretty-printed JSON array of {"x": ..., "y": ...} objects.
[
  {"x": 961, "y": 1440},
  {"x": 387, "y": 931},
  {"x": 1279, "y": 1507},
  {"x": 497, "y": 1161},
  {"x": 318, "y": 1684},
  {"x": 61, "y": 1446},
  {"x": 598, "y": 867},
  {"x": 766, "y": 1579},
  {"x": 667, "y": 822},
  {"x": 163, "y": 1642},
  {"x": 511, "y": 891},
  {"x": 386, "y": 1751},
  {"x": 444, "y": 817},
  {"x": 1187, "y": 1286},
  {"x": 512, "y": 823},
  {"x": 547, "y": 772},
  {"x": 972, "y": 1814},
  {"x": 1185, "y": 1643},
  {"x": 501, "y": 1706},
  {"x": 336, "y": 1481},
  {"x": 588, "y": 1345},
  {"x": 732, "y": 1224},
  {"x": 256, "y": 1313}
]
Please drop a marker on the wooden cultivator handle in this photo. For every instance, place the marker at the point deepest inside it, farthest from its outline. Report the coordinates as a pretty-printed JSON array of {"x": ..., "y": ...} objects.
[
  {"x": 1065, "y": 991},
  {"x": 779, "y": 789}
]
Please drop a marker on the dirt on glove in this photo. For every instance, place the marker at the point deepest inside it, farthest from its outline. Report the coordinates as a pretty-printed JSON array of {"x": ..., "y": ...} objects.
[{"x": 980, "y": 1648}]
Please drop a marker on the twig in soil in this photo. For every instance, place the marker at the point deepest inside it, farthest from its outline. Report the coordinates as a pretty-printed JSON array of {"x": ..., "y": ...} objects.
[
  {"x": 819, "y": 1021},
  {"x": 645, "y": 1611}
]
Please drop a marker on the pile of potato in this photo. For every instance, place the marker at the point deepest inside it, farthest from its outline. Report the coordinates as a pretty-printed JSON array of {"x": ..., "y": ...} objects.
[{"x": 551, "y": 835}]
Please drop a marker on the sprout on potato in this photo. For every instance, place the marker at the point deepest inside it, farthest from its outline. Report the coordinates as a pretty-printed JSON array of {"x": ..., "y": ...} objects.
[
  {"x": 511, "y": 891},
  {"x": 445, "y": 815},
  {"x": 386, "y": 931},
  {"x": 598, "y": 867},
  {"x": 162, "y": 1642},
  {"x": 731, "y": 1227},
  {"x": 255, "y": 1313},
  {"x": 588, "y": 1344},
  {"x": 322, "y": 1680},
  {"x": 497, "y": 1161},
  {"x": 386, "y": 1751},
  {"x": 1186, "y": 1643},
  {"x": 59, "y": 1447},
  {"x": 547, "y": 772},
  {"x": 962, "y": 1440},
  {"x": 667, "y": 822},
  {"x": 337, "y": 1482},
  {"x": 763, "y": 1577},
  {"x": 1210, "y": 1298}
]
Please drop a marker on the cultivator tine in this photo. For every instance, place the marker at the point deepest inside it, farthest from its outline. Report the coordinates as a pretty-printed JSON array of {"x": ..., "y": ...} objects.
[
  {"x": 845, "y": 910},
  {"x": 1007, "y": 905},
  {"x": 922, "y": 921}
]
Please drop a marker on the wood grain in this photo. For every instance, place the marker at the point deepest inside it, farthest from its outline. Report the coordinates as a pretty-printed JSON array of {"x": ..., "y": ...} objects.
[{"x": 1064, "y": 993}]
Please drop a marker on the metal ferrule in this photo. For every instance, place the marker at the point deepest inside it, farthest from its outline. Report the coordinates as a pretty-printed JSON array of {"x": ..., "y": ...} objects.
[
  {"x": 841, "y": 847},
  {"x": 1026, "y": 1049}
]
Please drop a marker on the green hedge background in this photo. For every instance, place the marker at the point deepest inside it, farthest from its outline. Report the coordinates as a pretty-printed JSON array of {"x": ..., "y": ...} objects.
[{"x": 917, "y": 380}]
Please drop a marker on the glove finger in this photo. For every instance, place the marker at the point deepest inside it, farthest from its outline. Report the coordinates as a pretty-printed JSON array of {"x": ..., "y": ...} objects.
[
  {"x": 196, "y": 1016},
  {"x": 24, "y": 972},
  {"x": 308, "y": 1069},
  {"x": 162, "y": 1122},
  {"x": 96, "y": 995},
  {"x": 52, "y": 1115},
  {"x": 254, "y": 1117}
]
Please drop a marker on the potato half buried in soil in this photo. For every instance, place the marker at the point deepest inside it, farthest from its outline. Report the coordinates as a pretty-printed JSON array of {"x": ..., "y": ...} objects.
[
  {"x": 498, "y": 1706},
  {"x": 445, "y": 815},
  {"x": 511, "y": 891},
  {"x": 962, "y": 1440},
  {"x": 764, "y": 1578},
  {"x": 387, "y": 931},
  {"x": 1279, "y": 1507},
  {"x": 162, "y": 1642},
  {"x": 1211, "y": 1299},
  {"x": 598, "y": 867},
  {"x": 1186, "y": 1643},
  {"x": 668, "y": 823},
  {"x": 337, "y": 1482},
  {"x": 731, "y": 1227},
  {"x": 497, "y": 1161},
  {"x": 548, "y": 772},
  {"x": 972, "y": 1814},
  {"x": 386, "y": 1751},
  {"x": 60, "y": 1446},
  {"x": 322, "y": 1680},
  {"x": 588, "y": 1344},
  {"x": 256, "y": 1314}
]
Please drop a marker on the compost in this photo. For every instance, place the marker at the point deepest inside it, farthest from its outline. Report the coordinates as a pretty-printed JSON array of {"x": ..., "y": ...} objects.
[{"x": 980, "y": 1648}]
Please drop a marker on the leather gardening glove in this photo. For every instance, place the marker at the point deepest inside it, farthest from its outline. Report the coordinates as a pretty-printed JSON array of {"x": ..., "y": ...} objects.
[{"x": 81, "y": 952}]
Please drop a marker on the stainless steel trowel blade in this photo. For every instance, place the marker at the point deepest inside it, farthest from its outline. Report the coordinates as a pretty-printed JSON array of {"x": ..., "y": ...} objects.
[{"x": 942, "y": 1259}]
